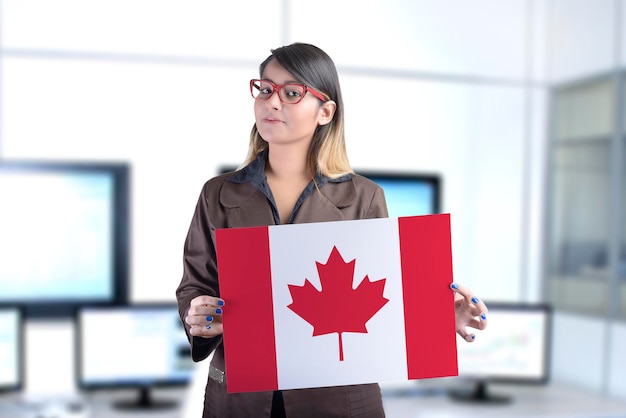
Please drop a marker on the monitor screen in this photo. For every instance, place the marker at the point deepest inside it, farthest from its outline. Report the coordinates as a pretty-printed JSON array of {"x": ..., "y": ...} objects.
[
  {"x": 11, "y": 349},
  {"x": 63, "y": 235},
  {"x": 514, "y": 348},
  {"x": 136, "y": 346},
  {"x": 408, "y": 194}
]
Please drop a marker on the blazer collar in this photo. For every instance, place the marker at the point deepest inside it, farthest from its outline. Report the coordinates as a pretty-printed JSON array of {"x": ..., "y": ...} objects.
[{"x": 244, "y": 189}]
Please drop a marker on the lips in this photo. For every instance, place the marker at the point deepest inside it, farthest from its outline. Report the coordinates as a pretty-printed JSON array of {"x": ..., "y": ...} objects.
[{"x": 272, "y": 120}]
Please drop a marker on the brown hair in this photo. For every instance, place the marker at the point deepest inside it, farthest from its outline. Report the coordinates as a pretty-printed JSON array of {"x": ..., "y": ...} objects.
[{"x": 311, "y": 66}]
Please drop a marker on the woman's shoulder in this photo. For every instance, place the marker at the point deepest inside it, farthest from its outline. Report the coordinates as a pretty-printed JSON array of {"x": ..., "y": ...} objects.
[
  {"x": 359, "y": 194},
  {"x": 353, "y": 184},
  {"x": 220, "y": 178},
  {"x": 215, "y": 183},
  {"x": 363, "y": 182},
  {"x": 230, "y": 189}
]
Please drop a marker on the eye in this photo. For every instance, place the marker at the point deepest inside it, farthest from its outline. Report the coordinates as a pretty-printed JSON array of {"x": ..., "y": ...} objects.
[
  {"x": 293, "y": 91},
  {"x": 265, "y": 89}
]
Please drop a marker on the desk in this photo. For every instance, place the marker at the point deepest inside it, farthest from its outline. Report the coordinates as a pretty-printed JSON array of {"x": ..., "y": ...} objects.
[
  {"x": 99, "y": 404},
  {"x": 527, "y": 401},
  {"x": 400, "y": 402}
]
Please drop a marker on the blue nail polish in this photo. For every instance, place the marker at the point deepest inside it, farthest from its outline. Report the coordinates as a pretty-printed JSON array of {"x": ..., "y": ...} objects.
[
  {"x": 208, "y": 327},
  {"x": 483, "y": 317},
  {"x": 454, "y": 286},
  {"x": 218, "y": 311},
  {"x": 220, "y": 303},
  {"x": 473, "y": 337},
  {"x": 209, "y": 318},
  {"x": 474, "y": 299}
]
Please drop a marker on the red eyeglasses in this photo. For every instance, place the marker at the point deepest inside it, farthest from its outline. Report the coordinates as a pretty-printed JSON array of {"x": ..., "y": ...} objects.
[{"x": 291, "y": 93}]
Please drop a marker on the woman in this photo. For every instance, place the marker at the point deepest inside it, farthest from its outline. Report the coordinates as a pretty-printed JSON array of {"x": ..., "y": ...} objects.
[{"x": 296, "y": 171}]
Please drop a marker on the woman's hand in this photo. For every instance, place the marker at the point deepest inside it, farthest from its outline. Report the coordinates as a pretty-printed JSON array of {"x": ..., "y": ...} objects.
[
  {"x": 469, "y": 312},
  {"x": 205, "y": 316}
]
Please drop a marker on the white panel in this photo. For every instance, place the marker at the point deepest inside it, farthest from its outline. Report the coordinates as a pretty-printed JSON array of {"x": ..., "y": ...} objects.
[
  {"x": 581, "y": 37},
  {"x": 538, "y": 38},
  {"x": 490, "y": 215},
  {"x": 578, "y": 350},
  {"x": 622, "y": 51},
  {"x": 479, "y": 37},
  {"x": 535, "y": 176},
  {"x": 49, "y": 371},
  {"x": 617, "y": 371},
  {"x": 472, "y": 136},
  {"x": 174, "y": 124},
  {"x": 160, "y": 27},
  {"x": 404, "y": 124}
]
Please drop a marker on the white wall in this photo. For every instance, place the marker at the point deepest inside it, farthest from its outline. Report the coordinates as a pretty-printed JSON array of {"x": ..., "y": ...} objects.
[
  {"x": 163, "y": 85},
  {"x": 426, "y": 79},
  {"x": 581, "y": 38}
]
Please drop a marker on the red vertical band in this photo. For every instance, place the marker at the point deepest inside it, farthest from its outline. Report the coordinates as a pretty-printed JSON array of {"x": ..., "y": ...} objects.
[
  {"x": 426, "y": 259},
  {"x": 243, "y": 259}
]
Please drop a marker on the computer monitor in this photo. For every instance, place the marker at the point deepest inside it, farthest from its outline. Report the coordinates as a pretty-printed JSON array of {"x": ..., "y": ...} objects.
[
  {"x": 407, "y": 193},
  {"x": 514, "y": 348},
  {"x": 11, "y": 349},
  {"x": 139, "y": 347},
  {"x": 64, "y": 235}
]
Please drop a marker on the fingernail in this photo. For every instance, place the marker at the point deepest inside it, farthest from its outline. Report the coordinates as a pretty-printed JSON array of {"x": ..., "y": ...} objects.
[
  {"x": 220, "y": 303},
  {"x": 209, "y": 318},
  {"x": 474, "y": 299},
  {"x": 218, "y": 311},
  {"x": 483, "y": 317},
  {"x": 454, "y": 286},
  {"x": 208, "y": 327},
  {"x": 473, "y": 337}
]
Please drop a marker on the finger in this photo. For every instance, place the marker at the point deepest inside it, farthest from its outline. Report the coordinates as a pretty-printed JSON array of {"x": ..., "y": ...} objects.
[
  {"x": 477, "y": 323},
  {"x": 466, "y": 293},
  {"x": 213, "y": 306},
  {"x": 469, "y": 297},
  {"x": 203, "y": 319},
  {"x": 204, "y": 310},
  {"x": 480, "y": 306},
  {"x": 462, "y": 291},
  {"x": 467, "y": 336},
  {"x": 482, "y": 321},
  {"x": 206, "y": 300},
  {"x": 202, "y": 331}
]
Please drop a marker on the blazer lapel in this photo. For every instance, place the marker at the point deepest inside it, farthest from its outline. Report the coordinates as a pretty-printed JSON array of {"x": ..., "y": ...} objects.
[{"x": 245, "y": 206}]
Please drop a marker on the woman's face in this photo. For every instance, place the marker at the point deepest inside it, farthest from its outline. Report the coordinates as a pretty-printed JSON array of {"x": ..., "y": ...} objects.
[{"x": 284, "y": 123}]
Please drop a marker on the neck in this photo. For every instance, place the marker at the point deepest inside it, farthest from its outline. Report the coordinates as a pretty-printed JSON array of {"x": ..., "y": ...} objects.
[{"x": 288, "y": 163}]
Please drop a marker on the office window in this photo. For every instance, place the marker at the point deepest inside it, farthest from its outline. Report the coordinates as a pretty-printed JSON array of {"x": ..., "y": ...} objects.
[
  {"x": 586, "y": 260},
  {"x": 579, "y": 220}
]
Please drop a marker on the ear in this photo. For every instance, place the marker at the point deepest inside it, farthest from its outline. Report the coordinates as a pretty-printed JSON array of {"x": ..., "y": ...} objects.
[{"x": 326, "y": 112}]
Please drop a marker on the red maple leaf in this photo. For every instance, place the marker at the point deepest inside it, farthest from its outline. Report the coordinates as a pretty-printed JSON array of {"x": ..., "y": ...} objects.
[{"x": 337, "y": 307}]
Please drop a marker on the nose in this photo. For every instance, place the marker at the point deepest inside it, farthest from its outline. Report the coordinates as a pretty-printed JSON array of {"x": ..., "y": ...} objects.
[{"x": 274, "y": 100}]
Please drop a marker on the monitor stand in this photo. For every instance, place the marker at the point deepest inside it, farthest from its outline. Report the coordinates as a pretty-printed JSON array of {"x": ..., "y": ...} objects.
[
  {"x": 145, "y": 401},
  {"x": 479, "y": 393}
]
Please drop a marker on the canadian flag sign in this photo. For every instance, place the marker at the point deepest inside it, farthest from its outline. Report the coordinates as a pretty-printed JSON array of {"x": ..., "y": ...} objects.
[{"x": 337, "y": 303}]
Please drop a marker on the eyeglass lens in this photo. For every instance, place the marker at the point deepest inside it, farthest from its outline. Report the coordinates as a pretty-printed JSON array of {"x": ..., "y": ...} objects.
[{"x": 288, "y": 93}]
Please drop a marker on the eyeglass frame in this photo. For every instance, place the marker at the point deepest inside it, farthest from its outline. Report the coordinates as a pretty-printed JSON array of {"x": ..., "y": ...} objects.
[{"x": 276, "y": 89}]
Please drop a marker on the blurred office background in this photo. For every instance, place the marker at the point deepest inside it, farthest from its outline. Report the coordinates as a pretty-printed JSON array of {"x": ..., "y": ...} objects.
[{"x": 518, "y": 105}]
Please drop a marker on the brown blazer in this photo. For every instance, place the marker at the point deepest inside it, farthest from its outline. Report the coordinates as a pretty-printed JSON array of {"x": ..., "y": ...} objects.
[{"x": 225, "y": 204}]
